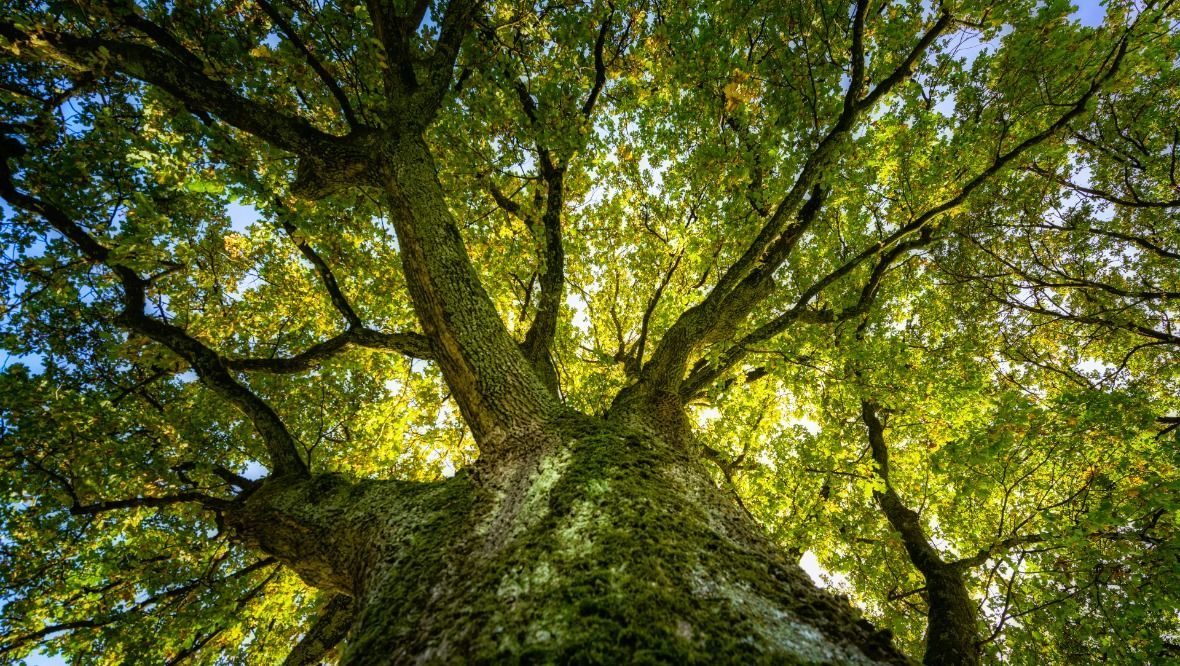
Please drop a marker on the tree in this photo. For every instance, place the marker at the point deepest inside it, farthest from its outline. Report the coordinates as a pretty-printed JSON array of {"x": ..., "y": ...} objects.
[{"x": 559, "y": 332}]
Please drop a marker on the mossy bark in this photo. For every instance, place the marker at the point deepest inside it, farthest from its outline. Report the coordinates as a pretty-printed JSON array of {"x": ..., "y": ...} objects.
[{"x": 604, "y": 544}]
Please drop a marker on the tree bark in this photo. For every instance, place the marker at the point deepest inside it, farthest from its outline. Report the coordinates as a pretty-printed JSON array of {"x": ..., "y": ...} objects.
[
  {"x": 952, "y": 632},
  {"x": 608, "y": 545},
  {"x": 494, "y": 385}
]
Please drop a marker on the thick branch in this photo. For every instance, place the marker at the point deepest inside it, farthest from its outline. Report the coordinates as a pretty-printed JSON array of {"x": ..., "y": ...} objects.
[
  {"x": 212, "y": 371},
  {"x": 538, "y": 340},
  {"x": 902, "y": 518},
  {"x": 497, "y": 389},
  {"x": 952, "y": 631},
  {"x": 181, "y": 80},
  {"x": 413, "y": 345},
  {"x": 325, "y": 633},
  {"x": 716, "y": 315},
  {"x": 906, "y": 67},
  {"x": 457, "y": 22},
  {"x": 734, "y": 296},
  {"x": 599, "y": 67},
  {"x": 856, "y": 79},
  {"x": 818, "y": 161},
  {"x": 210, "y": 367},
  {"x": 505, "y": 202},
  {"x": 706, "y": 372}
]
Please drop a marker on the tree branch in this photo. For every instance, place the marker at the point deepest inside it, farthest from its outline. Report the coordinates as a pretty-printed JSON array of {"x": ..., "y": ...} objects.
[
  {"x": 321, "y": 268},
  {"x": 951, "y": 632},
  {"x": 902, "y": 518},
  {"x": 538, "y": 340},
  {"x": 505, "y": 202},
  {"x": 328, "y": 629},
  {"x": 328, "y": 80},
  {"x": 856, "y": 79},
  {"x": 599, "y": 66},
  {"x": 413, "y": 345},
  {"x": 1139, "y": 329},
  {"x": 736, "y": 293},
  {"x": 206, "y": 501},
  {"x": 645, "y": 323},
  {"x": 210, "y": 367},
  {"x": 906, "y": 66},
  {"x": 458, "y": 20},
  {"x": 1003, "y": 546},
  {"x": 181, "y": 80},
  {"x": 705, "y": 372},
  {"x": 916, "y": 226},
  {"x": 1136, "y": 202},
  {"x": 94, "y": 623}
]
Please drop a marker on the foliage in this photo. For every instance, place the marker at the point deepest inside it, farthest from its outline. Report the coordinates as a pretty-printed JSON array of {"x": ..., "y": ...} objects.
[{"x": 993, "y": 261}]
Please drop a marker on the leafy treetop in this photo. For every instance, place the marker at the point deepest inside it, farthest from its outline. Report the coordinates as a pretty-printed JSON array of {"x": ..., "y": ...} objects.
[{"x": 893, "y": 256}]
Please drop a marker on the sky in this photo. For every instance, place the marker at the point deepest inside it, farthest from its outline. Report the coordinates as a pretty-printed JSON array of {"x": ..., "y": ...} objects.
[{"x": 1089, "y": 13}]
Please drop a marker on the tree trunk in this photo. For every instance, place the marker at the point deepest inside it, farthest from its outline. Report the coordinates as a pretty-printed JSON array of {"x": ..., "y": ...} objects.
[
  {"x": 951, "y": 618},
  {"x": 602, "y": 544},
  {"x": 952, "y": 629}
]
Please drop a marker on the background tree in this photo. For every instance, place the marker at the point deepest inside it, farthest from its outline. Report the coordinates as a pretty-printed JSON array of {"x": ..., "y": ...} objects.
[{"x": 457, "y": 331}]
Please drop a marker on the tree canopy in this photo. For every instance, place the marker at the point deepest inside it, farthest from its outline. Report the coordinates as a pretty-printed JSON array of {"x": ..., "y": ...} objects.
[{"x": 911, "y": 267}]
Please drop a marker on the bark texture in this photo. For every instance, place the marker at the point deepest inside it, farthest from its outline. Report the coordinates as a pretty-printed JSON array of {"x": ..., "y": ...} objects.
[
  {"x": 495, "y": 387},
  {"x": 604, "y": 544}
]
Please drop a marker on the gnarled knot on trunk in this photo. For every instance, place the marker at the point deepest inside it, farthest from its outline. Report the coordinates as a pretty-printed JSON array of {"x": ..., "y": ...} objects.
[
  {"x": 303, "y": 523},
  {"x": 353, "y": 160}
]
